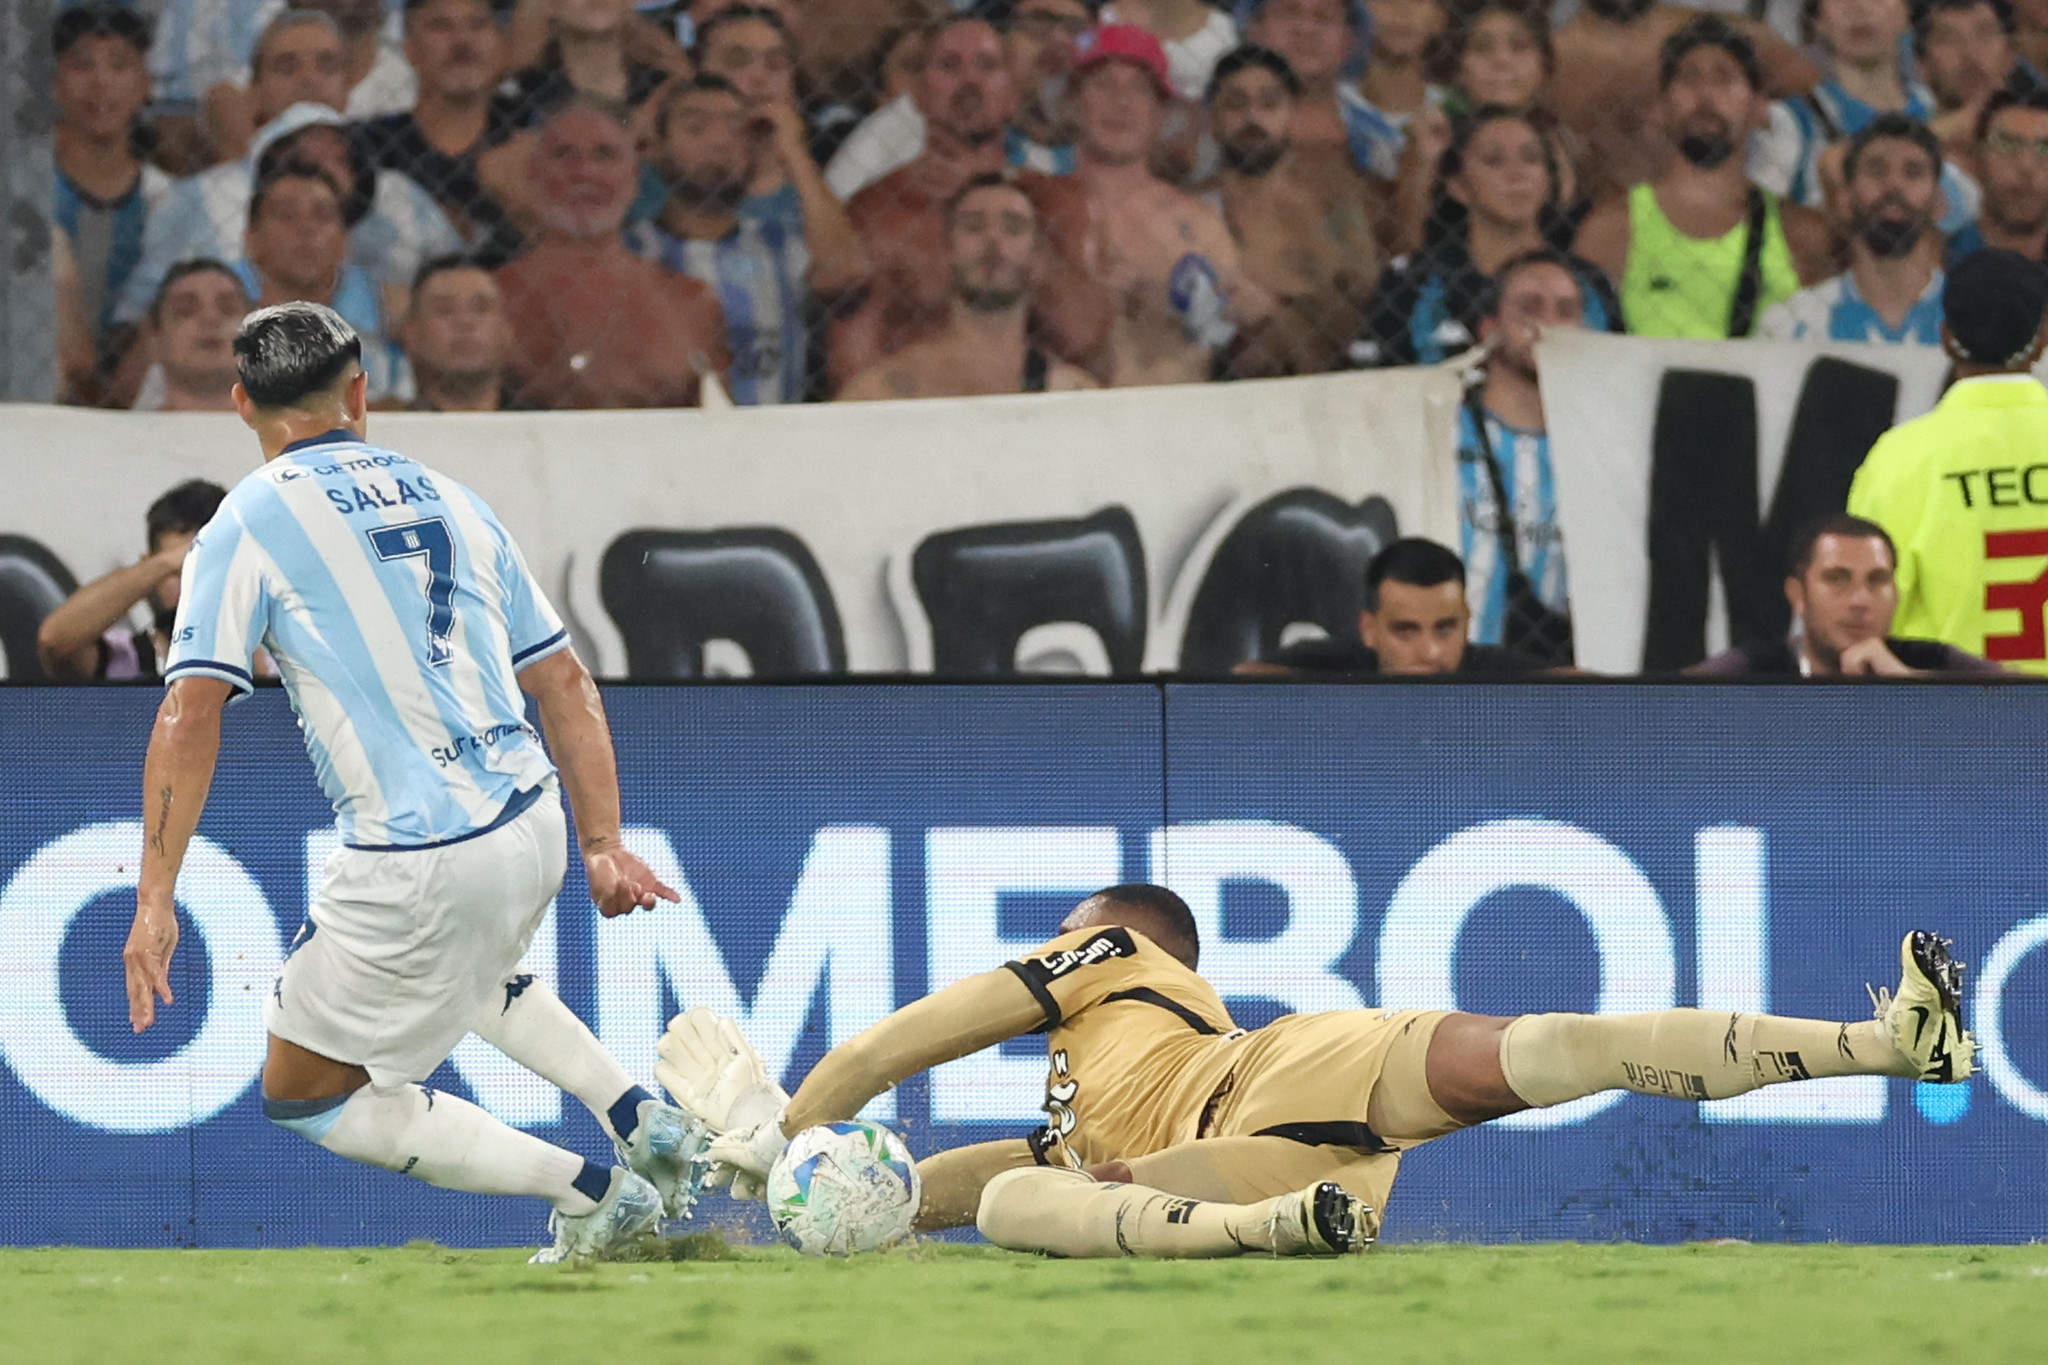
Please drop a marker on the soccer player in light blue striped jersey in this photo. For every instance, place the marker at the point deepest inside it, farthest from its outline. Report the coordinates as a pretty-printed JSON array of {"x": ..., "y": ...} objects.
[{"x": 406, "y": 627}]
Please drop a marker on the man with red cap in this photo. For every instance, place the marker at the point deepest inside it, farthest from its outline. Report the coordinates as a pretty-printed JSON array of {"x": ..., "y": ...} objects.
[{"x": 1178, "y": 289}]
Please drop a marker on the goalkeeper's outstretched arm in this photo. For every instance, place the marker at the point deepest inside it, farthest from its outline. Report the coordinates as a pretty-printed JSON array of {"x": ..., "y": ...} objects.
[{"x": 967, "y": 1016}]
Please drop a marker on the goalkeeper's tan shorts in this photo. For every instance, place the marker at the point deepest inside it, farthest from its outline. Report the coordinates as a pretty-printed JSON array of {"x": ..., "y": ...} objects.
[{"x": 1331, "y": 1097}]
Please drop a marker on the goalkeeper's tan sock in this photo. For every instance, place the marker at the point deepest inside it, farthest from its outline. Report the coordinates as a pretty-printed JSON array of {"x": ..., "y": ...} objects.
[
  {"x": 1684, "y": 1054},
  {"x": 1066, "y": 1213}
]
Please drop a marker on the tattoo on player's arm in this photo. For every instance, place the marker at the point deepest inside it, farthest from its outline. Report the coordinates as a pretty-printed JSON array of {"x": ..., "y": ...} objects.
[{"x": 163, "y": 818}]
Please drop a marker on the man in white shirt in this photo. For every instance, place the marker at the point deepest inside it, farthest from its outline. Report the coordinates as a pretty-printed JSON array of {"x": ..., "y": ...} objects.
[{"x": 395, "y": 226}]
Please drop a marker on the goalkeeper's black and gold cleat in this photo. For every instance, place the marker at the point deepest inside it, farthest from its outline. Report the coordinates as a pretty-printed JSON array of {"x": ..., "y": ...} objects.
[
  {"x": 1343, "y": 1223},
  {"x": 1924, "y": 1018}
]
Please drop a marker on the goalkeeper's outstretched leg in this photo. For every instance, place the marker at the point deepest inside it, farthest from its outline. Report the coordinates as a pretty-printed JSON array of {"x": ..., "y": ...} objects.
[
  {"x": 1481, "y": 1068},
  {"x": 1068, "y": 1213}
]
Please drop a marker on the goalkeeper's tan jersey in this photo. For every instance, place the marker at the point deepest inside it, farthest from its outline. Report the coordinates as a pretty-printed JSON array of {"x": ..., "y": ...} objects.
[{"x": 1143, "y": 1056}]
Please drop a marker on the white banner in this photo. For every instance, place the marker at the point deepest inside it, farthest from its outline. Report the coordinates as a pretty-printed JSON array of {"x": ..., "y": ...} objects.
[
  {"x": 859, "y": 485},
  {"x": 1603, "y": 396}
]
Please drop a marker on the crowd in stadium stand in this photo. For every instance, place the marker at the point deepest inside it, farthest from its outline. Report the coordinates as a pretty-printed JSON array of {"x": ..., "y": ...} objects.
[
  {"x": 799, "y": 200},
  {"x": 567, "y": 204}
]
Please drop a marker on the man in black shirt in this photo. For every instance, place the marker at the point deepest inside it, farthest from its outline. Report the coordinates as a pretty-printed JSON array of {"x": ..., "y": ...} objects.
[
  {"x": 1843, "y": 598},
  {"x": 457, "y": 48},
  {"x": 1414, "y": 624}
]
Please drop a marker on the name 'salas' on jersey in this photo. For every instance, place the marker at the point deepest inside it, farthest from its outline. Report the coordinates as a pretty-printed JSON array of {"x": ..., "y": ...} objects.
[{"x": 399, "y": 612}]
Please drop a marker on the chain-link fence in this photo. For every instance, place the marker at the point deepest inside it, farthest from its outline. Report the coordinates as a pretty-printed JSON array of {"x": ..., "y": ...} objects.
[{"x": 583, "y": 204}]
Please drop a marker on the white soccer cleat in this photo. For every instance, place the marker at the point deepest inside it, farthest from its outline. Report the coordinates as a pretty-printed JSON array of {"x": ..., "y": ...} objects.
[
  {"x": 1323, "y": 1220},
  {"x": 630, "y": 1209},
  {"x": 1924, "y": 1019},
  {"x": 664, "y": 1151}
]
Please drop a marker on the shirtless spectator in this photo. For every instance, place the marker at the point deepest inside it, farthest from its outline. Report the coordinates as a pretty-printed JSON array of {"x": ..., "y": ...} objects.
[
  {"x": 2012, "y": 164},
  {"x": 1307, "y": 246},
  {"x": 998, "y": 249},
  {"x": 595, "y": 49},
  {"x": 968, "y": 96},
  {"x": 593, "y": 325},
  {"x": 1966, "y": 56},
  {"x": 1318, "y": 38},
  {"x": 1177, "y": 286},
  {"x": 86, "y": 638},
  {"x": 457, "y": 47},
  {"x": 1607, "y": 92},
  {"x": 192, "y": 326},
  {"x": 1675, "y": 246},
  {"x": 458, "y": 338},
  {"x": 1039, "y": 39}
]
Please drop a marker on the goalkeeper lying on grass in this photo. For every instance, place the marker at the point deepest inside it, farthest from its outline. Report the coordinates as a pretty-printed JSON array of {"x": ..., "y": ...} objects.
[{"x": 1172, "y": 1132}]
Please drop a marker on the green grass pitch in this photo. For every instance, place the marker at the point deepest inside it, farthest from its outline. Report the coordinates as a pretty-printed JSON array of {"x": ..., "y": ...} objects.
[{"x": 1729, "y": 1305}]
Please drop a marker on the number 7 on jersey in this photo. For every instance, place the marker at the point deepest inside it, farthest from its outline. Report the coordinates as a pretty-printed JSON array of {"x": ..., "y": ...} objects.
[{"x": 432, "y": 541}]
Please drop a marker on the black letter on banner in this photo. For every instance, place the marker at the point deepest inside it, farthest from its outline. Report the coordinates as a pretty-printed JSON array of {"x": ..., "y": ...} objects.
[
  {"x": 1703, "y": 500},
  {"x": 982, "y": 587},
  {"x": 672, "y": 592},
  {"x": 1843, "y": 409}
]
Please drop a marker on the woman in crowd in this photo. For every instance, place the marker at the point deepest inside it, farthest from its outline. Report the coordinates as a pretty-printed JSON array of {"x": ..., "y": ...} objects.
[
  {"x": 1501, "y": 56},
  {"x": 1496, "y": 197}
]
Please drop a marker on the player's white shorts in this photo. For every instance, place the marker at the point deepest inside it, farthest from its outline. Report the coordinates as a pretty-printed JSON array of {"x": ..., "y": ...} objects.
[{"x": 403, "y": 950}]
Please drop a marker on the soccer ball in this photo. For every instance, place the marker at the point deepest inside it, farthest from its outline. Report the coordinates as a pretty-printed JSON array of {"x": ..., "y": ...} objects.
[{"x": 839, "y": 1188}]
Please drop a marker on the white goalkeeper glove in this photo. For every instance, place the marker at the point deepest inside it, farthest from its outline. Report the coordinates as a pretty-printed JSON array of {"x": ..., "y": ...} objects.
[
  {"x": 743, "y": 1156},
  {"x": 710, "y": 1069}
]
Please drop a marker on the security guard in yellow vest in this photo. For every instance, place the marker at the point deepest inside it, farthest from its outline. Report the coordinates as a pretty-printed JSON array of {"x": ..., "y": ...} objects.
[{"x": 1964, "y": 490}]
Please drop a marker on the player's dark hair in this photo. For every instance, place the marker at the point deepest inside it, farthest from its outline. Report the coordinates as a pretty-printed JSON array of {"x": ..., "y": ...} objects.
[
  {"x": 195, "y": 265},
  {"x": 735, "y": 14},
  {"x": 289, "y": 352},
  {"x": 1924, "y": 21},
  {"x": 1172, "y": 923},
  {"x": 99, "y": 21},
  {"x": 442, "y": 265},
  {"x": 1415, "y": 561},
  {"x": 1899, "y": 127},
  {"x": 1248, "y": 57},
  {"x": 185, "y": 509},
  {"x": 1709, "y": 30},
  {"x": 1807, "y": 540},
  {"x": 1992, "y": 304},
  {"x": 2008, "y": 98}
]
